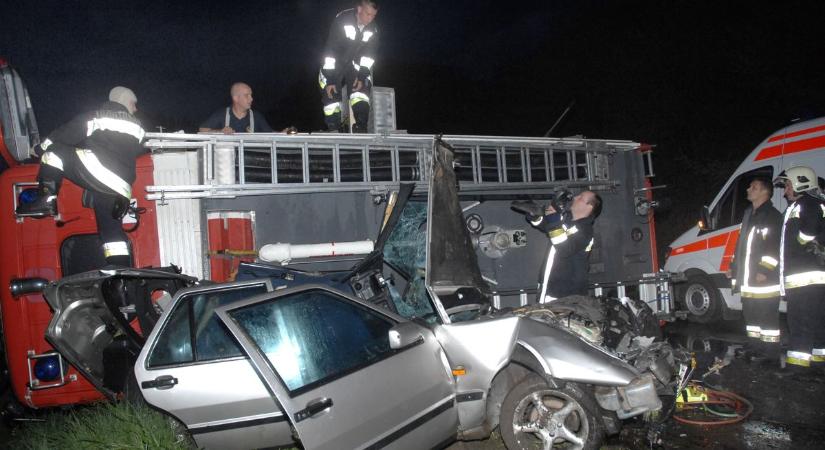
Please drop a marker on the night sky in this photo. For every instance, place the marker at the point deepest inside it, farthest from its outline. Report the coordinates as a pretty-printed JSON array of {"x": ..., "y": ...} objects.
[{"x": 705, "y": 81}]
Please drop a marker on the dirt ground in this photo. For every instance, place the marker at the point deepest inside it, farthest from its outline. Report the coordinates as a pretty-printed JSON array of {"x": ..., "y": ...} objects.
[{"x": 788, "y": 409}]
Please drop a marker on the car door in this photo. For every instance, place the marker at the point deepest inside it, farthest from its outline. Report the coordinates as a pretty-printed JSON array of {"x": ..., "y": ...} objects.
[
  {"x": 328, "y": 360},
  {"x": 192, "y": 368}
]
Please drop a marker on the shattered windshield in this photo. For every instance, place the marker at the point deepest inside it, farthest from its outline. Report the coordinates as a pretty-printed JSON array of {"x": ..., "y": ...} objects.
[{"x": 406, "y": 251}]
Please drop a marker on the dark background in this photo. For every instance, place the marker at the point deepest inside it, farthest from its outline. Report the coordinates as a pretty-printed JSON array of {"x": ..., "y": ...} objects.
[{"x": 704, "y": 81}]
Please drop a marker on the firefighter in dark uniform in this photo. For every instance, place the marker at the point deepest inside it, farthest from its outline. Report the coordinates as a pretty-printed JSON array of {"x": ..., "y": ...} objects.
[
  {"x": 802, "y": 268},
  {"x": 349, "y": 55},
  {"x": 755, "y": 270},
  {"x": 571, "y": 238},
  {"x": 96, "y": 151}
]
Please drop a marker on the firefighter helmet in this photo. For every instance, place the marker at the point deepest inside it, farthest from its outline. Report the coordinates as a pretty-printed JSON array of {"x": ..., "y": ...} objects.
[{"x": 802, "y": 178}]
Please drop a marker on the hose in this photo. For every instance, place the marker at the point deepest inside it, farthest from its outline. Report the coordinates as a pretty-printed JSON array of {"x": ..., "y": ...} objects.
[{"x": 741, "y": 408}]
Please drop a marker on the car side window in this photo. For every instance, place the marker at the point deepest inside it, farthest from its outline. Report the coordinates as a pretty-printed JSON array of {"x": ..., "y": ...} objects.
[
  {"x": 314, "y": 336},
  {"x": 193, "y": 332},
  {"x": 731, "y": 207}
]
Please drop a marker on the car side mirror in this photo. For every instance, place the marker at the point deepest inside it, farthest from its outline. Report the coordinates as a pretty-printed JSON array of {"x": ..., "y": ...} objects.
[
  {"x": 405, "y": 334},
  {"x": 705, "y": 220}
]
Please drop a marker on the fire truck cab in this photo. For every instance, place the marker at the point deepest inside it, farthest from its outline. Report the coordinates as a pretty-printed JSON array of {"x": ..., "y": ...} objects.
[{"x": 704, "y": 252}]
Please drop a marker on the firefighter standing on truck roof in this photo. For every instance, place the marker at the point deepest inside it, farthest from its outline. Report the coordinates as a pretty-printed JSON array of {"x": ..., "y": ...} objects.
[
  {"x": 349, "y": 55},
  {"x": 96, "y": 151},
  {"x": 755, "y": 270},
  {"x": 802, "y": 267}
]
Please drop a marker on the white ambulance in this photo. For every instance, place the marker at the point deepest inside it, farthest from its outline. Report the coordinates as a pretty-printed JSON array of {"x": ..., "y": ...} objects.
[{"x": 704, "y": 252}]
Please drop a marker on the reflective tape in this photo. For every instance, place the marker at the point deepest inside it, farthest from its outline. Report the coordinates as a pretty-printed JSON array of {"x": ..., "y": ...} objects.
[
  {"x": 349, "y": 30},
  {"x": 805, "y": 279},
  {"x": 557, "y": 236},
  {"x": 367, "y": 36},
  {"x": 765, "y": 338},
  {"x": 772, "y": 333},
  {"x": 818, "y": 352},
  {"x": 51, "y": 159},
  {"x": 769, "y": 262},
  {"x": 106, "y": 176},
  {"x": 760, "y": 291},
  {"x": 798, "y": 358},
  {"x": 589, "y": 245},
  {"x": 804, "y": 238},
  {"x": 753, "y": 334},
  {"x": 117, "y": 248},
  {"x": 357, "y": 97},
  {"x": 356, "y": 66},
  {"x": 112, "y": 124},
  {"x": 572, "y": 230},
  {"x": 45, "y": 144},
  {"x": 367, "y": 62},
  {"x": 756, "y": 328},
  {"x": 329, "y": 63},
  {"x": 332, "y": 108},
  {"x": 817, "y": 359}
]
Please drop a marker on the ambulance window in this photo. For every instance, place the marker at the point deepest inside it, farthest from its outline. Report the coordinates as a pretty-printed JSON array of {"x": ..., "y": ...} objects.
[{"x": 731, "y": 207}]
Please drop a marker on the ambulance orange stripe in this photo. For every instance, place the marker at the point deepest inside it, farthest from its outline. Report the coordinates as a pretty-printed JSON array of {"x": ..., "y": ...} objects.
[
  {"x": 779, "y": 137},
  {"x": 791, "y": 147},
  {"x": 704, "y": 244},
  {"x": 730, "y": 249}
]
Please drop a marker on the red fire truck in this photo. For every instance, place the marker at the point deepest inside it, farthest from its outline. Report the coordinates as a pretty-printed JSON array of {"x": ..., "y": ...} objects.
[{"x": 206, "y": 202}]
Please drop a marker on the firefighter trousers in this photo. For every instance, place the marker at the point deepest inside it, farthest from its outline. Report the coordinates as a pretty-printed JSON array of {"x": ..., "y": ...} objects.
[
  {"x": 107, "y": 205},
  {"x": 762, "y": 318},
  {"x": 806, "y": 324},
  {"x": 359, "y": 101}
]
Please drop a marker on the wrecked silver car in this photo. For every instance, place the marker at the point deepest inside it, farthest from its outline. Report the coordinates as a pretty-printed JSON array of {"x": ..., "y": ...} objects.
[{"x": 404, "y": 350}]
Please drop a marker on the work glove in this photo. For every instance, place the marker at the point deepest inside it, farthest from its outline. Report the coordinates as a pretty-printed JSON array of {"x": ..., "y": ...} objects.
[
  {"x": 531, "y": 210},
  {"x": 818, "y": 250},
  {"x": 120, "y": 208}
]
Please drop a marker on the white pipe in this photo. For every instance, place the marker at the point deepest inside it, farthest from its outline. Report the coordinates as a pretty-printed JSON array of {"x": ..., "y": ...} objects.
[{"x": 283, "y": 253}]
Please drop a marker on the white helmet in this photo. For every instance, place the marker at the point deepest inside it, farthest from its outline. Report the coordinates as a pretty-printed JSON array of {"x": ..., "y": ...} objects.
[{"x": 802, "y": 178}]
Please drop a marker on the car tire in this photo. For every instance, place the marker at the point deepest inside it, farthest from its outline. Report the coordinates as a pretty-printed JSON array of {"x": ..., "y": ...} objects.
[
  {"x": 570, "y": 413},
  {"x": 701, "y": 299}
]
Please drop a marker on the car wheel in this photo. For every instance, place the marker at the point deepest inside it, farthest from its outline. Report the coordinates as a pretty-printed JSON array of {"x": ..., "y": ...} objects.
[
  {"x": 701, "y": 299},
  {"x": 536, "y": 415}
]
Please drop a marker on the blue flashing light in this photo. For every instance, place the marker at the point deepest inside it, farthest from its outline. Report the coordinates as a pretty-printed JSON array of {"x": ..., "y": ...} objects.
[
  {"x": 27, "y": 196},
  {"x": 47, "y": 368}
]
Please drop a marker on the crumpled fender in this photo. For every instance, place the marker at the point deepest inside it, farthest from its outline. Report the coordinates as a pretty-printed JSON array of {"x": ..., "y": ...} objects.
[{"x": 565, "y": 356}]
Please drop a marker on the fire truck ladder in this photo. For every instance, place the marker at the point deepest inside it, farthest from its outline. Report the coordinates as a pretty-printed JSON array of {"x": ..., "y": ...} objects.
[{"x": 274, "y": 163}]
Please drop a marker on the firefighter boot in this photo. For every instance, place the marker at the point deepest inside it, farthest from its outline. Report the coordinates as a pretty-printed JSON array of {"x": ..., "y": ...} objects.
[
  {"x": 361, "y": 111},
  {"x": 45, "y": 204}
]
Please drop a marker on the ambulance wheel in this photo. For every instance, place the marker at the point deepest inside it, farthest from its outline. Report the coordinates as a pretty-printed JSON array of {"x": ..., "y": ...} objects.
[{"x": 701, "y": 299}]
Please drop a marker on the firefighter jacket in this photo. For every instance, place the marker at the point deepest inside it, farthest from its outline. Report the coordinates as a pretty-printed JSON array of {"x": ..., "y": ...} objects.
[
  {"x": 107, "y": 142},
  {"x": 757, "y": 252},
  {"x": 566, "y": 268},
  {"x": 803, "y": 228},
  {"x": 349, "y": 48}
]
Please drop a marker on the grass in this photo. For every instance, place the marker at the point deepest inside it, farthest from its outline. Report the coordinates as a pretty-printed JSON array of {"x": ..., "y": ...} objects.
[{"x": 102, "y": 426}]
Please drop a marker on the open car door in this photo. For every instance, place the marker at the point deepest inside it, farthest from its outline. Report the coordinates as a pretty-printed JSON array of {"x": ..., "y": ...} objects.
[
  {"x": 347, "y": 374},
  {"x": 94, "y": 315}
]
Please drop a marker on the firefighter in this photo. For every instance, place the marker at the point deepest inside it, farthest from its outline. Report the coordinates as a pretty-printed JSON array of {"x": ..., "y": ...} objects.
[
  {"x": 349, "y": 55},
  {"x": 96, "y": 151},
  {"x": 802, "y": 268},
  {"x": 755, "y": 270},
  {"x": 571, "y": 238},
  {"x": 238, "y": 118}
]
